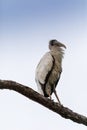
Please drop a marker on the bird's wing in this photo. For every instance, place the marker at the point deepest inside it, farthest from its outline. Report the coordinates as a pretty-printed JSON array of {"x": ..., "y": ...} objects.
[{"x": 44, "y": 67}]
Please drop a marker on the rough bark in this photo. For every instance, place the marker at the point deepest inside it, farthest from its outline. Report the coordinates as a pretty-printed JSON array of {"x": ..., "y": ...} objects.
[{"x": 33, "y": 95}]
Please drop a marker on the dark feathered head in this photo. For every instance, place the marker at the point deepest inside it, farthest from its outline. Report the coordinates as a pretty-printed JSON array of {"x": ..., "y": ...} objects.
[{"x": 54, "y": 43}]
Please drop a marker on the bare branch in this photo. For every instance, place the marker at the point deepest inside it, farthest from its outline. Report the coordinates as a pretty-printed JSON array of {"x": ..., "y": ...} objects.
[{"x": 33, "y": 95}]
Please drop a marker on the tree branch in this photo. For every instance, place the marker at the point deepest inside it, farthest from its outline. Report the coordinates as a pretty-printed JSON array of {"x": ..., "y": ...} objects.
[{"x": 33, "y": 95}]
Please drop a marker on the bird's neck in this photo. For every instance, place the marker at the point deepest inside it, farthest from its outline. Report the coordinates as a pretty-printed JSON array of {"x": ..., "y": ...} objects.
[
  {"x": 58, "y": 54},
  {"x": 57, "y": 51}
]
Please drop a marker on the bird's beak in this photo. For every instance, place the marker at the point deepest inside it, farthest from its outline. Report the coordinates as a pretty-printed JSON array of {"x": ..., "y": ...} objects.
[{"x": 61, "y": 45}]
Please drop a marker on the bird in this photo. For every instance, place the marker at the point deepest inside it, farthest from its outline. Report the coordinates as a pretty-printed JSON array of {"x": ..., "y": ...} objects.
[{"x": 49, "y": 68}]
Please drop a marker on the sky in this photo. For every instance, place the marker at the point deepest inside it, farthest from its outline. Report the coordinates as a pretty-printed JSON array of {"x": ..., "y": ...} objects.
[{"x": 26, "y": 26}]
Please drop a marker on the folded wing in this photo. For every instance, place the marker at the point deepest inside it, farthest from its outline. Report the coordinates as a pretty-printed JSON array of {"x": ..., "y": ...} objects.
[{"x": 44, "y": 67}]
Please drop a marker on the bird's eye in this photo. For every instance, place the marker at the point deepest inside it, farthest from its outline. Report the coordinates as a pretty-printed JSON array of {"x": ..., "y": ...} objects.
[{"x": 52, "y": 44}]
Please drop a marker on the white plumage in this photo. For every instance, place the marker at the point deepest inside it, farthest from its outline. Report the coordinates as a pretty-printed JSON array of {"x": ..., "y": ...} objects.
[{"x": 49, "y": 69}]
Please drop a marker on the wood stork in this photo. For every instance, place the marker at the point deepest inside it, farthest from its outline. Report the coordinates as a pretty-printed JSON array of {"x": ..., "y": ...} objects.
[{"x": 49, "y": 69}]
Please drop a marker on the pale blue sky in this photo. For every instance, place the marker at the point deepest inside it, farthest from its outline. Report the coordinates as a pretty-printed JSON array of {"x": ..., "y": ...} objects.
[{"x": 26, "y": 26}]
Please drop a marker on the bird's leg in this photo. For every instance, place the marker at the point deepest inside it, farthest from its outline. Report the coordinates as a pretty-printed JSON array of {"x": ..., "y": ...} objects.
[
  {"x": 48, "y": 91},
  {"x": 50, "y": 97},
  {"x": 56, "y": 96}
]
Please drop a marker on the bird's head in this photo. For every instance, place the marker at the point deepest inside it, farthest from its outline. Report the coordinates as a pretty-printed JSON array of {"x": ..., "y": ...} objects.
[{"x": 54, "y": 44}]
